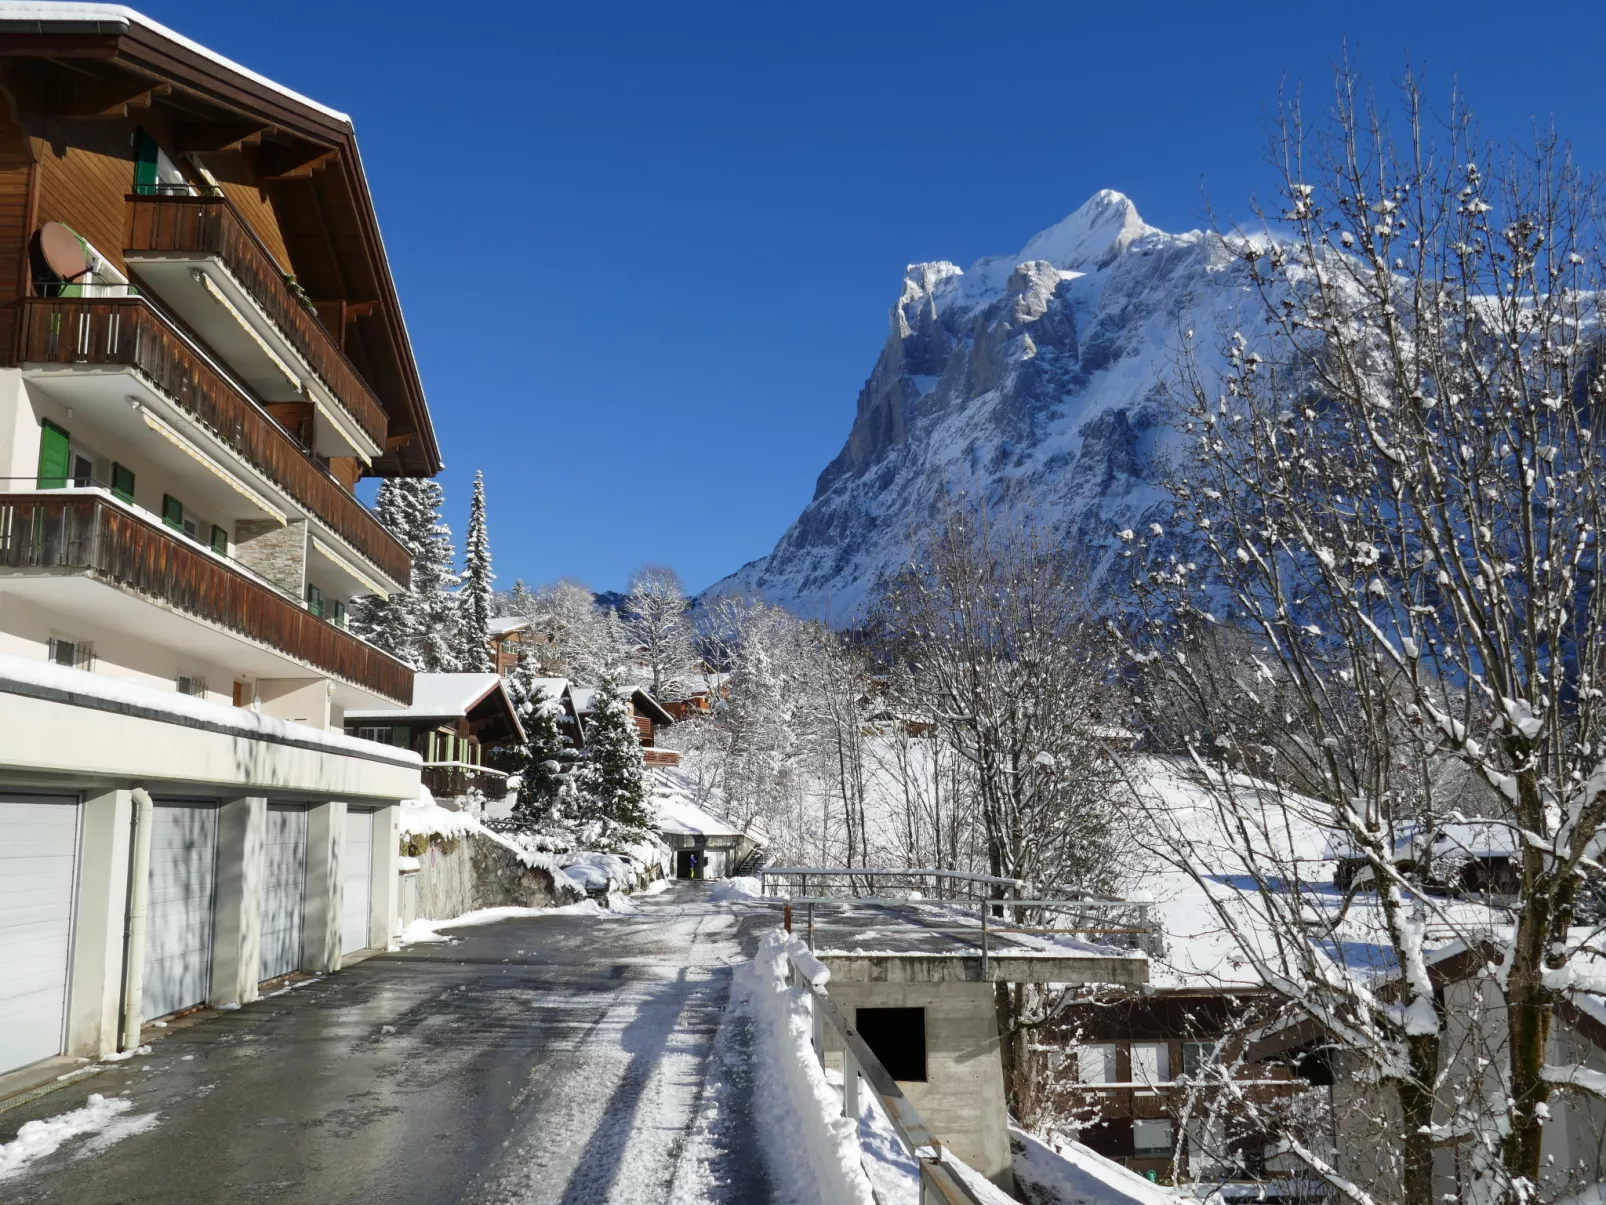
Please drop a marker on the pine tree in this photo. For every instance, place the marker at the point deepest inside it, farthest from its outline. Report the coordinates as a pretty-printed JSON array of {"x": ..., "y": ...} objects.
[
  {"x": 474, "y": 600},
  {"x": 415, "y": 624},
  {"x": 542, "y": 761},
  {"x": 613, "y": 780}
]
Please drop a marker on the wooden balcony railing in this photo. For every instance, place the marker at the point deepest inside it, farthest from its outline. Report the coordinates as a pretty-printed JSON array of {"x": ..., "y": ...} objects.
[
  {"x": 449, "y": 779},
  {"x": 126, "y": 332},
  {"x": 210, "y": 226},
  {"x": 85, "y": 534}
]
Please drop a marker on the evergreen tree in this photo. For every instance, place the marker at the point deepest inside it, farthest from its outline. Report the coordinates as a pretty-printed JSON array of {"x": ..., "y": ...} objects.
[
  {"x": 474, "y": 600},
  {"x": 545, "y": 790},
  {"x": 613, "y": 779},
  {"x": 415, "y": 624},
  {"x": 519, "y": 601}
]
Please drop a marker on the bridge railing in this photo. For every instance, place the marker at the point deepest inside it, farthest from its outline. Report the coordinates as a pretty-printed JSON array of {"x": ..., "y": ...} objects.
[
  {"x": 939, "y": 1183},
  {"x": 1002, "y": 907}
]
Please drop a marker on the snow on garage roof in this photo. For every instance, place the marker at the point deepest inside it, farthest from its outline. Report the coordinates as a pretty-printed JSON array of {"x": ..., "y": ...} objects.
[
  {"x": 438, "y": 696},
  {"x": 57, "y": 15}
]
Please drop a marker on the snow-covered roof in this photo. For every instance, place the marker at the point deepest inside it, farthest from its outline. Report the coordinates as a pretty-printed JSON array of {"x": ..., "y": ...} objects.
[
  {"x": 585, "y": 698},
  {"x": 508, "y": 623},
  {"x": 439, "y": 696},
  {"x": 674, "y": 792},
  {"x": 59, "y": 14}
]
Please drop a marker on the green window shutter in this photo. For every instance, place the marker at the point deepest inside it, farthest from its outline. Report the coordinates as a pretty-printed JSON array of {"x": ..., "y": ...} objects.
[
  {"x": 172, "y": 511},
  {"x": 340, "y": 614},
  {"x": 220, "y": 540},
  {"x": 54, "y": 453},
  {"x": 123, "y": 482},
  {"x": 315, "y": 600},
  {"x": 144, "y": 162},
  {"x": 398, "y": 736}
]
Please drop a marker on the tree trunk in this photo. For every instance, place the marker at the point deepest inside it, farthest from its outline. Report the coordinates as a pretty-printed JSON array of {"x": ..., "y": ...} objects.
[
  {"x": 1528, "y": 1008},
  {"x": 1416, "y": 1108}
]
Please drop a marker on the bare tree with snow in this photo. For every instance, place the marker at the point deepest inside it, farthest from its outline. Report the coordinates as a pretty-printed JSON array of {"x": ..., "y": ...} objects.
[
  {"x": 1394, "y": 486},
  {"x": 655, "y": 620}
]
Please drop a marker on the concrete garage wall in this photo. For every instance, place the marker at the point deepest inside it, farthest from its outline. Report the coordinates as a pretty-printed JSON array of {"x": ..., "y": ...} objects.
[{"x": 962, "y": 1100}]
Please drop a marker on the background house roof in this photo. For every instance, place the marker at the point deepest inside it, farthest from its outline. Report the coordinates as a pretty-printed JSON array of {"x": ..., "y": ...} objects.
[{"x": 440, "y": 696}]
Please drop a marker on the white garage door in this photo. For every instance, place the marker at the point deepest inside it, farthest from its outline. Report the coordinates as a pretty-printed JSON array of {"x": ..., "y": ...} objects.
[
  {"x": 38, "y": 853},
  {"x": 178, "y": 926},
  {"x": 356, "y": 881},
  {"x": 283, "y": 875}
]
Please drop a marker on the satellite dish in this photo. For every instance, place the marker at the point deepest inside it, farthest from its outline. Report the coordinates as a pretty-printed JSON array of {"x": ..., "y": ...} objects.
[{"x": 63, "y": 251}]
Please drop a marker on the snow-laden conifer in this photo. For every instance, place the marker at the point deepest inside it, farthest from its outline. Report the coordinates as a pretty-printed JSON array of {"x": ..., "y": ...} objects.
[
  {"x": 613, "y": 778},
  {"x": 474, "y": 600},
  {"x": 415, "y": 624}
]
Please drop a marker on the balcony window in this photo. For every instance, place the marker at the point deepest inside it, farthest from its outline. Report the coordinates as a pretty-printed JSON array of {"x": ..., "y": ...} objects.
[
  {"x": 1196, "y": 1056},
  {"x": 154, "y": 172},
  {"x": 123, "y": 482},
  {"x": 1151, "y": 1138},
  {"x": 220, "y": 539},
  {"x": 172, "y": 512},
  {"x": 1096, "y": 1064},
  {"x": 191, "y": 684},
  {"x": 1151, "y": 1063},
  {"x": 315, "y": 600},
  {"x": 74, "y": 654}
]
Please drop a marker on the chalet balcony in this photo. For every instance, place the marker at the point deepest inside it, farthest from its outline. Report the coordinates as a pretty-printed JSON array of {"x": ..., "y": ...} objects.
[
  {"x": 105, "y": 354},
  {"x": 201, "y": 258},
  {"x": 85, "y": 554},
  {"x": 449, "y": 779}
]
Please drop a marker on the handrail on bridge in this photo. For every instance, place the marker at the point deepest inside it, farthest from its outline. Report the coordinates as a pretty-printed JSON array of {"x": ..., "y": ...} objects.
[
  {"x": 1086, "y": 920},
  {"x": 939, "y": 1185}
]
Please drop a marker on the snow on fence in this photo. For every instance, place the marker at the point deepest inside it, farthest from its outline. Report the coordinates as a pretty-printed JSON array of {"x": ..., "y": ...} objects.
[{"x": 836, "y": 1154}]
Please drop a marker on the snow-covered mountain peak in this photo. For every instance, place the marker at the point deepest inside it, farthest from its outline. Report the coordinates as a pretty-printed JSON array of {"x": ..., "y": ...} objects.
[
  {"x": 1089, "y": 239},
  {"x": 1039, "y": 378}
]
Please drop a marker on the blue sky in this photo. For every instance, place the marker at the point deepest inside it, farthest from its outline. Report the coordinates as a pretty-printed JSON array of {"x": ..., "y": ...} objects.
[{"x": 646, "y": 251}]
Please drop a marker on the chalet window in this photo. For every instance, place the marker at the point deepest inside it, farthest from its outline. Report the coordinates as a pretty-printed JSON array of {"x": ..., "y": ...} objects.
[
  {"x": 172, "y": 512},
  {"x": 338, "y": 614},
  {"x": 123, "y": 482},
  {"x": 896, "y": 1036},
  {"x": 1196, "y": 1056},
  {"x": 373, "y": 733},
  {"x": 315, "y": 600},
  {"x": 74, "y": 654},
  {"x": 400, "y": 737},
  {"x": 1151, "y": 1137},
  {"x": 220, "y": 540},
  {"x": 154, "y": 172},
  {"x": 1096, "y": 1064},
  {"x": 55, "y": 456},
  {"x": 1151, "y": 1063},
  {"x": 191, "y": 684}
]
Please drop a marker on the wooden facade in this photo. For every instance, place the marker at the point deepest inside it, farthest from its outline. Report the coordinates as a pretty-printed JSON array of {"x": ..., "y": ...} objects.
[
  {"x": 85, "y": 98},
  {"x": 119, "y": 546},
  {"x": 127, "y": 332}
]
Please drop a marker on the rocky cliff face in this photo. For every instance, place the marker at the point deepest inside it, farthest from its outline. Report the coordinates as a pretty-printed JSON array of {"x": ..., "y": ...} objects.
[{"x": 1038, "y": 379}]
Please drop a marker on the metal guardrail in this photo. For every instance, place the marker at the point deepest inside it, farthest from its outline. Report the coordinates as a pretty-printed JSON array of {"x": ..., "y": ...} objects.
[
  {"x": 1128, "y": 922},
  {"x": 939, "y": 1183}
]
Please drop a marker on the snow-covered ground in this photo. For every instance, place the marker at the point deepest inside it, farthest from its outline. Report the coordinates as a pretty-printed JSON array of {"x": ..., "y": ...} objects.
[{"x": 104, "y": 1119}]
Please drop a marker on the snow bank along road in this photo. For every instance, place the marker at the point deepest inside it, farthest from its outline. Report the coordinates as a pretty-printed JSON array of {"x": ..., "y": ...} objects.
[{"x": 568, "y": 1059}]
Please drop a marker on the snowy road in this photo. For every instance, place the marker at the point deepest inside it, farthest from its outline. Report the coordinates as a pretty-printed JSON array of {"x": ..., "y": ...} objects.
[{"x": 563, "y": 1059}]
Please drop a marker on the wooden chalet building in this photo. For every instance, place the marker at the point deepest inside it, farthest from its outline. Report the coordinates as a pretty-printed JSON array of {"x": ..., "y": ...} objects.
[
  {"x": 646, "y": 712},
  {"x": 201, "y": 353},
  {"x": 455, "y": 722}
]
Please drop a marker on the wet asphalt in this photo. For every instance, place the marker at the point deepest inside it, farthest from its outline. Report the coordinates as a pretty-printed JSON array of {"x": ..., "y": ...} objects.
[{"x": 553, "y": 1059}]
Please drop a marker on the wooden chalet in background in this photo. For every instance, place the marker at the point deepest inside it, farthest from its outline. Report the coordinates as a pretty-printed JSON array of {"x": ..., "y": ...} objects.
[{"x": 456, "y": 722}]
